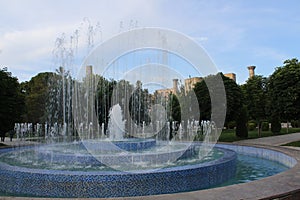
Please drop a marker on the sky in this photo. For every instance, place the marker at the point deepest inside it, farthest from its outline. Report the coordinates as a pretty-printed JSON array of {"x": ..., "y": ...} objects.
[{"x": 235, "y": 34}]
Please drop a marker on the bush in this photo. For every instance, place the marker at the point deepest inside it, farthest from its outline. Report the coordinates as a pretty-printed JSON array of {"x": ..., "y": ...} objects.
[
  {"x": 251, "y": 126},
  {"x": 275, "y": 125},
  {"x": 265, "y": 126},
  {"x": 253, "y": 121},
  {"x": 295, "y": 123},
  {"x": 231, "y": 125}
]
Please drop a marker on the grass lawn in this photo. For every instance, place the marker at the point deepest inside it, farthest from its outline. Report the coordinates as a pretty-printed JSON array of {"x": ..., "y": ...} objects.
[
  {"x": 293, "y": 144},
  {"x": 229, "y": 135}
]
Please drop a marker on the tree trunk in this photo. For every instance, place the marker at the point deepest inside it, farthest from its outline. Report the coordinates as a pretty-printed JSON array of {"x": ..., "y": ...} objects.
[
  {"x": 259, "y": 129},
  {"x": 287, "y": 127}
]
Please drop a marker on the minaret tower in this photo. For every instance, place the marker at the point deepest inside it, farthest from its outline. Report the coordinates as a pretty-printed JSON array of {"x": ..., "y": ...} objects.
[
  {"x": 89, "y": 70},
  {"x": 251, "y": 71},
  {"x": 175, "y": 86}
]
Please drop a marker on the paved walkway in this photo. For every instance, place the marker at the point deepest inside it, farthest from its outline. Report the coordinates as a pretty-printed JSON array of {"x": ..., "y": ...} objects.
[{"x": 272, "y": 140}]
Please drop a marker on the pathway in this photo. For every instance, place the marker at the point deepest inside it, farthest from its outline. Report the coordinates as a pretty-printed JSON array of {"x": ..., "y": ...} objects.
[{"x": 272, "y": 140}]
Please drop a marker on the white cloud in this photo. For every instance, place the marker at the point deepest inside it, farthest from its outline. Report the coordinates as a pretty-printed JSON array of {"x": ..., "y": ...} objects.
[
  {"x": 27, "y": 52},
  {"x": 270, "y": 54}
]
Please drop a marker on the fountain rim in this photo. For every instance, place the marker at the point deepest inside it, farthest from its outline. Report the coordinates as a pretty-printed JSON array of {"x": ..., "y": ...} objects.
[
  {"x": 227, "y": 156},
  {"x": 277, "y": 183}
]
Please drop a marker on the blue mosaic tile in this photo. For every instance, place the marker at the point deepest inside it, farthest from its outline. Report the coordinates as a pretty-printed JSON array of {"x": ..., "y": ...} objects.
[{"x": 54, "y": 183}]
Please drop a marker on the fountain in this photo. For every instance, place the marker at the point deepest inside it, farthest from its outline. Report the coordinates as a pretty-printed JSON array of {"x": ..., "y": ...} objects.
[
  {"x": 124, "y": 140},
  {"x": 119, "y": 168},
  {"x": 113, "y": 167},
  {"x": 116, "y": 124}
]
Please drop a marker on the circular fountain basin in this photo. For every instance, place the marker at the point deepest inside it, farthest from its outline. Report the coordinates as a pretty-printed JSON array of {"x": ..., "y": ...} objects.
[
  {"x": 66, "y": 183},
  {"x": 107, "y": 153}
]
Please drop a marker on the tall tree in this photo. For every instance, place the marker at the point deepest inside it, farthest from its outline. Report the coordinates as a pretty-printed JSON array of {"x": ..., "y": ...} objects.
[
  {"x": 104, "y": 99},
  {"x": 234, "y": 98},
  {"x": 284, "y": 90},
  {"x": 139, "y": 105},
  {"x": 256, "y": 99},
  {"x": 11, "y": 101},
  {"x": 174, "y": 111},
  {"x": 204, "y": 100},
  {"x": 36, "y": 97}
]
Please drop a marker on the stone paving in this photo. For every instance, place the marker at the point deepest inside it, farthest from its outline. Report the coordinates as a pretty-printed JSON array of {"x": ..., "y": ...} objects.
[
  {"x": 284, "y": 185},
  {"x": 272, "y": 141}
]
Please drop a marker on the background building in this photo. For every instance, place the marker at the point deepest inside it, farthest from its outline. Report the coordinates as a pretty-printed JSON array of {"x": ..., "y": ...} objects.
[
  {"x": 231, "y": 76},
  {"x": 189, "y": 84}
]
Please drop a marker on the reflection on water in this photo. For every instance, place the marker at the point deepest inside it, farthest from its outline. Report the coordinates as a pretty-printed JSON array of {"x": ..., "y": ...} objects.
[{"x": 251, "y": 168}]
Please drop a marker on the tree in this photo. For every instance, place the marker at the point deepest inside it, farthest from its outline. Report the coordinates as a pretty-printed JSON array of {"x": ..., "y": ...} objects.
[
  {"x": 11, "y": 101},
  {"x": 139, "y": 105},
  {"x": 174, "y": 111},
  {"x": 104, "y": 99},
  {"x": 234, "y": 97},
  {"x": 241, "y": 124},
  {"x": 204, "y": 100},
  {"x": 275, "y": 124},
  {"x": 189, "y": 106},
  {"x": 256, "y": 99},
  {"x": 36, "y": 97},
  {"x": 234, "y": 100},
  {"x": 284, "y": 91}
]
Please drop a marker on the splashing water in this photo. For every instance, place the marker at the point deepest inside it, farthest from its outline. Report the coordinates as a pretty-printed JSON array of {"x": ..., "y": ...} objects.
[{"x": 116, "y": 124}]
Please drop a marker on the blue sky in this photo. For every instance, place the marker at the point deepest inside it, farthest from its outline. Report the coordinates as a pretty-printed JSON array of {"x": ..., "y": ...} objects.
[{"x": 235, "y": 33}]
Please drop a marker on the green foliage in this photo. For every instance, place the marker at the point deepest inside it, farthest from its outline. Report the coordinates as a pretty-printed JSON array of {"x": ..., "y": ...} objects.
[
  {"x": 255, "y": 92},
  {"x": 284, "y": 91},
  {"x": 11, "y": 101},
  {"x": 104, "y": 99},
  {"x": 231, "y": 125},
  {"x": 265, "y": 126},
  {"x": 295, "y": 123},
  {"x": 138, "y": 105},
  {"x": 251, "y": 126},
  {"x": 189, "y": 106},
  {"x": 293, "y": 144},
  {"x": 256, "y": 99},
  {"x": 174, "y": 111},
  {"x": 36, "y": 97},
  {"x": 204, "y": 100},
  {"x": 234, "y": 97},
  {"x": 133, "y": 101},
  {"x": 253, "y": 121},
  {"x": 241, "y": 124},
  {"x": 275, "y": 98}
]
